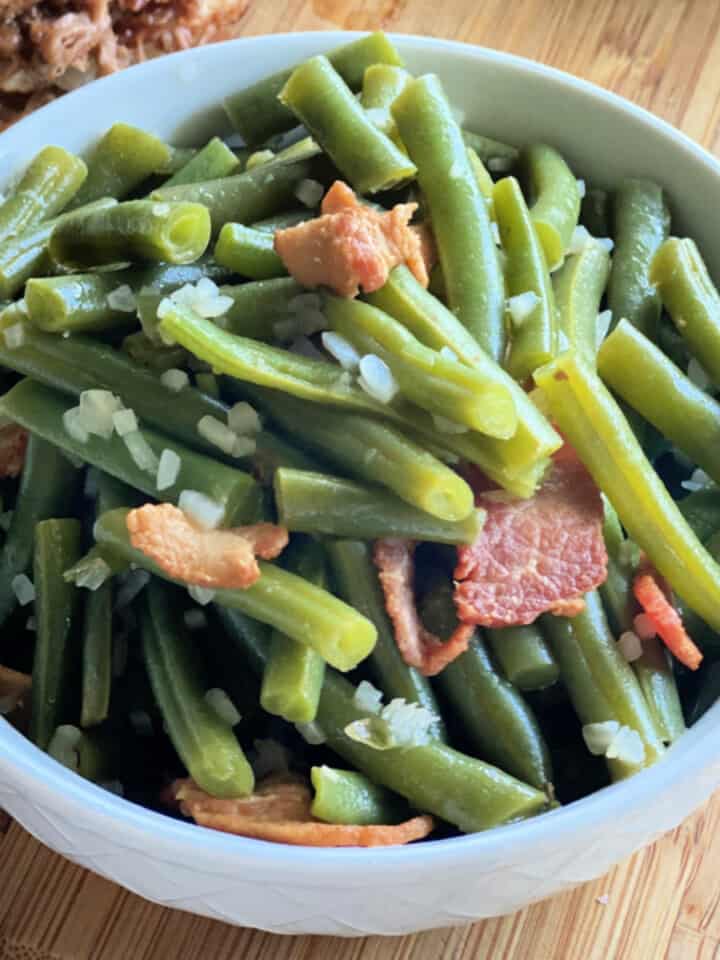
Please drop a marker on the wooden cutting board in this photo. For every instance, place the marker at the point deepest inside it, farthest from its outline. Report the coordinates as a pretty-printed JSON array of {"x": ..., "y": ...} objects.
[{"x": 664, "y": 901}]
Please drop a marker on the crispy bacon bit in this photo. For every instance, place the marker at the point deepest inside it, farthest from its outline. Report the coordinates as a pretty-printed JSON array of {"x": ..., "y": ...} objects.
[
  {"x": 352, "y": 245},
  {"x": 206, "y": 558},
  {"x": 534, "y": 555},
  {"x": 279, "y": 811},
  {"x": 667, "y": 621},
  {"x": 13, "y": 443},
  {"x": 419, "y": 648}
]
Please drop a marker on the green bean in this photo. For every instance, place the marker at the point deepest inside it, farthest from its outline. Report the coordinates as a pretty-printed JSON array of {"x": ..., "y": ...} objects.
[
  {"x": 491, "y": 151},
  {"x": 47, "y": 485},
  {"x": 533, "y": 340},
  {"x": 639, "y": 372},
  {"x": 166, "y": 277},
  {"x": 554, "y": 200},
  {"x": 26, "y": 254},
  {"x": 122, "y": 159},
  {"x": 319, "y": 504},
  {"x": 53, "y": 177},
  {"x": 641, "y": 223},
  {"x": 382, "y": 85},
  {"x": 595, "y": 212},
  {"x": 701, "y": 510},
  {"x": 281, "y": 221},
  {"x": 476, "y": 396},
  {"x": 593, "y": 423},
  {"x": 249, "y": 252},
  {"x": 279, "y": 598},
  {"x": 257, "y": 114},
  {"x": 320, "y": 99},
  {"x": 484, "y": 181},
  {"x": 657, "y": 682},
  {"x": 689, "y": 295},
  {"x": 616, "y": 591},
  {"x": 609, "y": 689},
  {"x": 293, "y": 675},
  {"x": 77, "y": 303},
  {"x": 87, "y": 566},
  {"x": 459, "y": 789},
  {"x": 358, "y": 584},
  {"x": 155, "y": 356},
  {"x": 579, "y": 286},
  {"x": 40, "y": 410},
  {"x": 113, "y": 493},
  {"x": 205, "y": 743},
  {"x": 179, "y": 157},
  {"x": 97, "y": 655},
  {"x": 524, "y": 657},
  {"x": 134, "y": 230},
  {"x": 343, "y": 796},
  {"x": 458, "y": 211},
  {"x": 244, "y": 197},
  {"x": 215, "y": 160},
  {"x": 57, "y": 546}
]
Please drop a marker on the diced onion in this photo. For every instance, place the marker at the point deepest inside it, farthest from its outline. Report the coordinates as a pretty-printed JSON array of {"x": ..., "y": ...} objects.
[
  {"x": 521, "y": 306},
  {"x": 376, "y": 378},
  {"x": 606, "y": 242},
  {"x": 341, "y": 349},
  {"x": 141, "y": 452},
  {"x": 217, "y": 433},
  {"x": 93, "y": 575},
  {"x": 367, "y": 697},
  {"x": 221, "y": 704},
  {"x": 243, "y": 447},
  {"x": 581, "y": 237},
  {"x": 495, "y": 230},
  {"x": 14, "y": 336},
  {"x": 599, "y": 736},
  {"x": 627, "y": 746},
  {"x": 243, "y": 418},
  {"x": 63, "y": 746},
  {"x": 122, "y": 299},
  {"x": 73, "y": 426},
  {"x": 175, "y": 380},
  {"x": 581, "y": 188},
  {"x": 124, "y": 422},
  {"x": 195, "y": 619},
  {"x": 309, "y": 193},
  {"x": 630, "y": 646},
  {"x": 96, "y": 412},
  {"x": 23, "y": 588},
  {"x": 698, "y": 481},
  {"x": 311, "y": 733},
  {"x": 201, "y": 595},
  {"x": 644, "y": 626},
  {"x": 203, "y": 298},
  {"x": 203, "y": 510},
  {"x": 168, "y": 469},
  {"x": 602, "y": 325}
]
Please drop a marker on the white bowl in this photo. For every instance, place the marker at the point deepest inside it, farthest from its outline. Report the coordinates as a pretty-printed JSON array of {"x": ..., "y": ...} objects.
[{"x": 441, "y": 883}]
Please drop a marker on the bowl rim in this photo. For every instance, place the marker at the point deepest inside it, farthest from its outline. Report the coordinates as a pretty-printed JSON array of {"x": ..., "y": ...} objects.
[{"x": 44, "y": 776}]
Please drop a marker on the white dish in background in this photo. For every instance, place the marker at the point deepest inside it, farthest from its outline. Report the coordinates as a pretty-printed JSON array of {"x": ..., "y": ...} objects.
[{"x": 447, "y": 882}]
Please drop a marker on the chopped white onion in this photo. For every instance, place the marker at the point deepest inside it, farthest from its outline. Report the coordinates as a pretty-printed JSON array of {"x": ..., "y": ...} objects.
[
  {"x": 203, "y": 510},
  {"x": 14, "y": 336},
  {"x": 581, "y": 237},
  {"x": 195, "y": 619},
  {"x": 311, "y": 733},
  {"x": 499, "y": 164},
  {"x": 168, "y": 469},
  {"x": 96, "y": 412},
  {"x": 644, "y": 626},
  {"x": 93, "y": 574},
  {"x": 160, "y": 209},
  {"x": 521, "y": 306},
  {"x": 376, "y": 378},
  {"x": 341, "y": 349},
  {"x": 698, "y": 481},
  {"x": 243, "y": 418},
  {"x": 697, "y": 374},
  {"x": 203, "y": 298},
  {"x": 602, "y": 325},
  {"x": 23, "y": 588},
  {"x": 175, "y": 380},
  {"x": 258, "y": 158},
  {"x": 141, "y": 723},
  {"x": 367, "y": 697},
  {"x": 627, "y": 746},
  {"x": 606, "y": 242},
  {"x": 581, "y": 188},
  {"x": 141, "y": 452},
  {"x": 309, "y": 193},
  {"x": 122, "y": 299},
  {"x": 221, "y": 704},
  {"x": 244, "y": 447},
  {"x": 495, "y": 231},
  {"x": 217, "y": 433},
  {"x": 599, "y": 736},
  {"x": 444, "y": 425},
  {"x": 124, "y": 422},
  {"x": 63, "y": 746},
  {"x": 72, "y": 424},
  {"x": 201, "y": 595},
  {"x": 630, "y": 646}
]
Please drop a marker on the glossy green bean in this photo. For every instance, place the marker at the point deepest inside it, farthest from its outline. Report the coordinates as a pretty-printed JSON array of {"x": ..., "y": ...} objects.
[
  {"x": 51, "y": 180},
  {"x": 121, "y": 160},
  {"x": 344, "y": 796},
  {"x": 134, "y": 230},
  {"x": 459, "y": 214},
  {"x": 215, "y": 160},
  {"x": 484, "y": 181},
  {"x": 78, "y": 303},
  {"x": 57, "y": 546},
  {"x": 166, "y": 277},
  {"x": 248, "y": 252},
  {"x": 639, "y": 372},
  {"x": 46, "y": 487},
  {"x": 382, "y": 85},
  {"x": 96, "y": 655},
  {"x": 579, "y": 286},
  {"x": 641, "y": 222},
  {"x": 524, "y": 657},
  {"x": 593, "y": 423},
  {"x": 554, "y": 200},
  {"x": 533, "y": 340},
  {"x": 257, "y": 114},
  {"x": 40, "y": 410},
  {"x": 491, "y": 151},
  {"x": 206, "y": 744}
]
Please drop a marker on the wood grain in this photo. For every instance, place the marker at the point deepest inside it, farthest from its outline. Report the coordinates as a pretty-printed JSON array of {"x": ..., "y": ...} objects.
[{"x": 665, "y": 901}]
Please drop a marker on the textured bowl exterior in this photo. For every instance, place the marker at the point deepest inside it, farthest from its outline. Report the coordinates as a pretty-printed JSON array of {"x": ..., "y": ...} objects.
[{"x": 440, "y": 883}]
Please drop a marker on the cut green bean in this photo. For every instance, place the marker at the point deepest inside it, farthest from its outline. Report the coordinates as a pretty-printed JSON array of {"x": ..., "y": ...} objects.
[
  {"x": 533, "y": 340},
  {"x": 214, "y": 161},
  {"x": 257, "y": 114},
  {"x": 134, "y": 230},
  {"x": 579, "y": 286},
  {"x": 344, "y": 796},
  {"x": 122, "y": 159},
  {"x": 524, "y": 657},
  {"x": 96, "y": 656},
  {"x": 273, "y": 452},
  {"x": 484, "y": 181},
  {"x": 641, "y": 222},
  {"x": 57, "y": 546},
  {"x": 205, "y": 743},
  {"x": 382, "y": 85},
  {"x": 554, "y": 200},
  {"x": 502, "y": 156},
  {"x": 248, "y": 252},
  {"x": 459, "y": 214},
  {"x": 179, "y": 158},
  {"x": 53, "y": 177},
  {"x": 80, "y": 303}
]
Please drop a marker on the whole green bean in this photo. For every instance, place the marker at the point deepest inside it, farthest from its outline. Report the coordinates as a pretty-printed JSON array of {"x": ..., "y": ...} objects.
[
  {"x": 689, "y": 295},
  {"x": 476, "y": 396},
  {"x": 491, "y": 151},
  {"x": 459, "y": 214},
  {"x": 524, "y": 657},
  {"x": 249, "y": 252},
  {"x": 77, "y": 303},
  {"x": 344, "y": 796},
  {"x": 319, "y": 504},
  {"x": 257, "y": 113},
  {"x": 121, "y": 160},
  {"x": 134, "y": 230},
  {"x": 593, "y": 423},
  {"x": 321, "y": 100},
  {"x": 96, "y": 655},
  {"x": 215, "y": 160},
  {"x": 308, "y": 614},
  {"x": 294, "y": 673},
  {"x": 206, "y": 745},
  {"x": 358, "y": 584},
  {"x": 641, "y": 221},
  {"x": 53, "y": 177},
  {"x": 40, "y": 410},
  {"x": 57, "y": 546},
  {"x": 47, "y": 485},
  {"x": 579, "y": 286},
  {"x": 554, "y": 200},
  {"x": 533, "y": 340},
  {"x": 640, "y": 373},
  {"x": 461, "y": 790}
]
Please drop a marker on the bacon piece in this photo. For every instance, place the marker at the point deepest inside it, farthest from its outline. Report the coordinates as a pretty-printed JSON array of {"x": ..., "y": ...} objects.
[
  {"x": 649, "y": 593},
  {"x": 206, "y": 558},
  {"x": 352, "y": 245},
  {"x": 534, "y": 555},
  {"x": 13, "y": 443},
  {"x": 280, "y": 811},
  {"x": 418, "y": 647}
]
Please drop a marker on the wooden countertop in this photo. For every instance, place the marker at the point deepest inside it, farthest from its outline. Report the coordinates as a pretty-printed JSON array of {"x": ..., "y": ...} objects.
[{"x": 665, "y": 901}]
